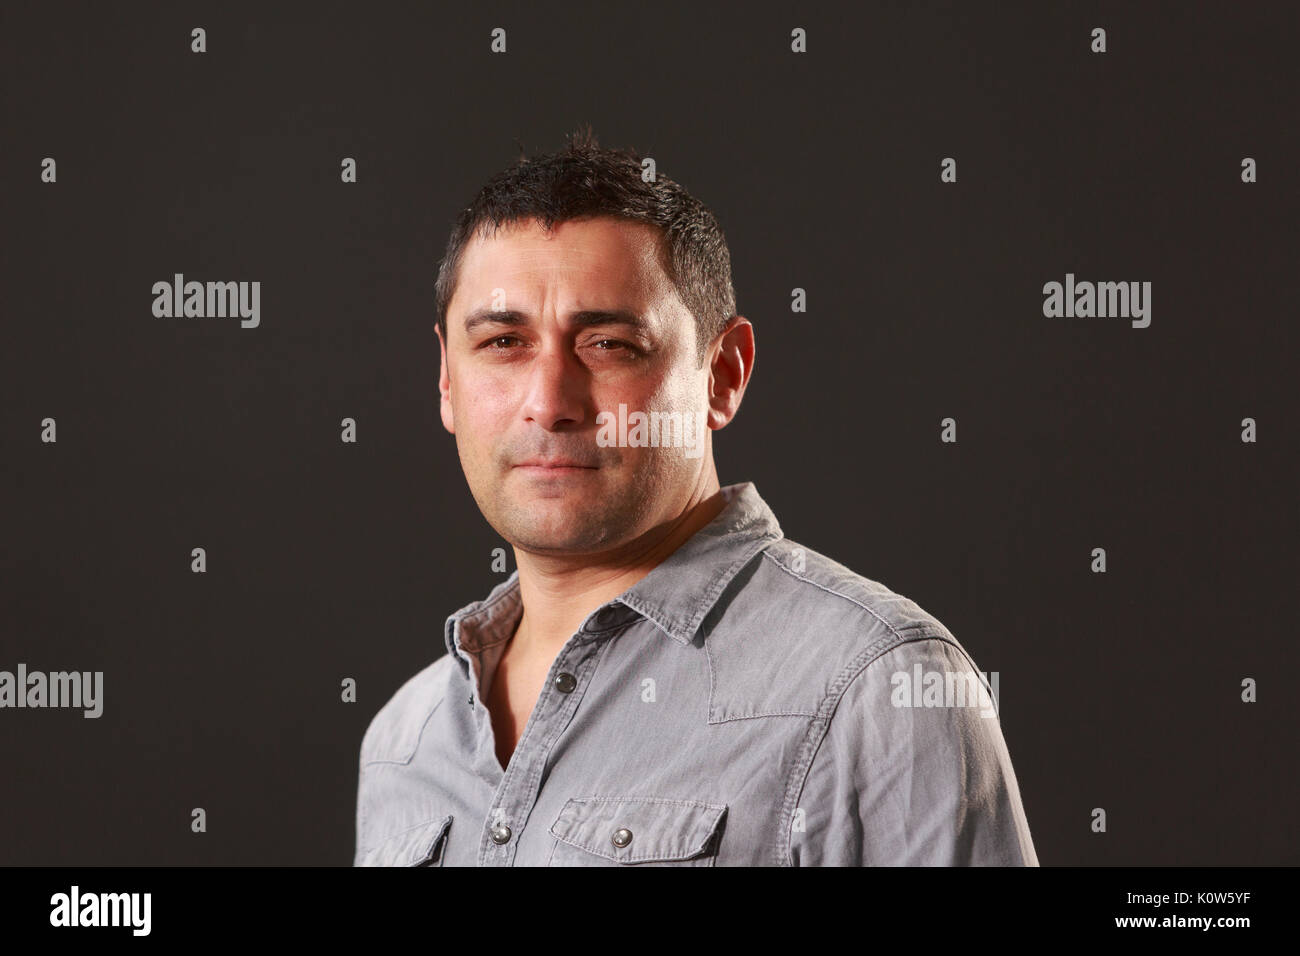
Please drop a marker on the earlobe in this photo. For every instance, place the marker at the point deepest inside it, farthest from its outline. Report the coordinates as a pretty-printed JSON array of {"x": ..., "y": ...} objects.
[{"x": 444, "y": 406}]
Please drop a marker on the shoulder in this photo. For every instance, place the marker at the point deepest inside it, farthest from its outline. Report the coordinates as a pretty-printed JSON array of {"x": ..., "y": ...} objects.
[
  {"x": 801, "y": 626},
  {"x": 394, "y": 732},
  {"x": 815, "y": 580}
]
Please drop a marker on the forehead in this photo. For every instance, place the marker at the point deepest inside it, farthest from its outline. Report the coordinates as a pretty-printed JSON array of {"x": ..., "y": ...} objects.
[{"x": 591, "y": 263}]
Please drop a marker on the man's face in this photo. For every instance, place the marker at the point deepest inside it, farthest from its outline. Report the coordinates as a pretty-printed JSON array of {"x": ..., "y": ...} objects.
[{"x": 544, "y": 333}]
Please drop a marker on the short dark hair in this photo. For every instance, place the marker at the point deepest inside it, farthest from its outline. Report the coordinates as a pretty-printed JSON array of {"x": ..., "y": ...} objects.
[{"x": 585, "y": 180}]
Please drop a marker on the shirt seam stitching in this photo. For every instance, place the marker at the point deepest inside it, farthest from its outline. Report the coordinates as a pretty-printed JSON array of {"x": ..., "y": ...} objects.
[
  {"x": 813, "y": 739},
  {"x": 893, "y": 628},
  {"x": 418, "y": 737}
]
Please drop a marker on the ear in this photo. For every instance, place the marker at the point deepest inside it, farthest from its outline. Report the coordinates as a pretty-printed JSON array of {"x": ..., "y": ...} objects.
[
  {"x": 444, "y": 385},
  {"x": 731, "y": 360}
]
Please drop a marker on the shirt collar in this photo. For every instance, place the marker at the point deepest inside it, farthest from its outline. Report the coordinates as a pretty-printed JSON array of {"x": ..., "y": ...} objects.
[{"x": 676, "y": 594}]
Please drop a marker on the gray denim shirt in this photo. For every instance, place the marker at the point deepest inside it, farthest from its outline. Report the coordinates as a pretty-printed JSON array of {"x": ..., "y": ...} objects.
[{"x": 749, "y": 702}]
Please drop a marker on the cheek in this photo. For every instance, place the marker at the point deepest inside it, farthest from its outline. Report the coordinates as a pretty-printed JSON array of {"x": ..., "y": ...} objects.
[
  {"x": 678, "y": 393},
  {"x": 483, "y": 416},
  {"x": 480, "y": 399},
  {"x": 643, "y": 392}
]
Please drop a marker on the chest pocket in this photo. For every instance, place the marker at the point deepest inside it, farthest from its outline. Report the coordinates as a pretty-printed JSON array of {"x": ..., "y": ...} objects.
[
  {"x": 424, "y": 845},
  {"x": 614, "y": 831}
]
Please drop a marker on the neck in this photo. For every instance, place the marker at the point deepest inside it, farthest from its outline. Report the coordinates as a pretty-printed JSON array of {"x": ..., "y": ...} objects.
[{"x": 558, "y": 592}]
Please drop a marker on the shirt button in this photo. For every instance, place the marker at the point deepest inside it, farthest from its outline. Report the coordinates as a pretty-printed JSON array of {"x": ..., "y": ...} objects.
[
  {"x": 565, "y": 682},
  {"x": 622, "y": 837},
  {"x": 500, "y": 834}
]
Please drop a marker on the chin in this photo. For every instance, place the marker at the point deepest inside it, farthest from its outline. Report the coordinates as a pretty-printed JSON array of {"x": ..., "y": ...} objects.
[{"x": 563, "y": 533}]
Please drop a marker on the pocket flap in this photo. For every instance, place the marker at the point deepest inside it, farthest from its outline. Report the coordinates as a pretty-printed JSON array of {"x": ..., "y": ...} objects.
[
  {"x": 638, "y": 829},
  {"x": 419, "y": 846}
]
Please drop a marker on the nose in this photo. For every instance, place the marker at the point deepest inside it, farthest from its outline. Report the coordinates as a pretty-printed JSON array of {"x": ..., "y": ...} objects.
[{"x": 556, "y": 396}]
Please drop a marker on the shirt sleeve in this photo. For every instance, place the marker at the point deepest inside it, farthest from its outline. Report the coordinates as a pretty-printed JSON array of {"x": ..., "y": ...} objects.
[
  {"x": 364, "y": 786},
  {"x": 903, "y": 778}
]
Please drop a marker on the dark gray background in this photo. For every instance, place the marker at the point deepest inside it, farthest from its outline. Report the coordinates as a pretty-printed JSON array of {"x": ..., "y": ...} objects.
[{"x": 325, "y": 560}]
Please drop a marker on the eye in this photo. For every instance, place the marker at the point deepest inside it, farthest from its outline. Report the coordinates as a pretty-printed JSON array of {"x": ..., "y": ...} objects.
[
  {"x": 492, "y": 342},
  {"x": 616, "y": 345}
]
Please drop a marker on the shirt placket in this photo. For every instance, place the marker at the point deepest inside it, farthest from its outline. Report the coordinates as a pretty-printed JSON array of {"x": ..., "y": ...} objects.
[{"x": 516, "y": 795}]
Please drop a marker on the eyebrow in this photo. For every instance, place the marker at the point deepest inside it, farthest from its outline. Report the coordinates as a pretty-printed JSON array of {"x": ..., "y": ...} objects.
[{"x": 584, "y": 319}]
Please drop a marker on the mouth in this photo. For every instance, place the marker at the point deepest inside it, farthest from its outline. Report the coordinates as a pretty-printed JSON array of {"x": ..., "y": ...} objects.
[{"x": 553, "y": 467}]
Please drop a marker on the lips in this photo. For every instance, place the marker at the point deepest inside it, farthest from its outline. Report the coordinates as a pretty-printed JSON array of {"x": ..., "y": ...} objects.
[
  {"x": 552, "y": 463},
  {"x": 555, "y": 466}
]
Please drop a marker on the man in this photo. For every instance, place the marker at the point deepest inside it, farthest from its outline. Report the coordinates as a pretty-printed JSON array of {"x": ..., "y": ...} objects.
[{"x": 666, "y": 679}]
